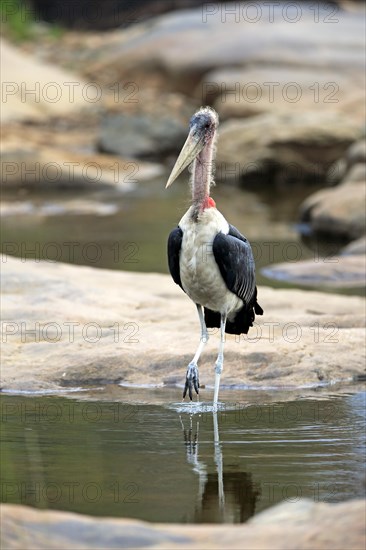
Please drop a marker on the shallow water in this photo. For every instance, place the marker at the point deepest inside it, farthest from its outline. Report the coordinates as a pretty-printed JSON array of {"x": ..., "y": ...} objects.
[
  {"x": 117, "y": 230},
  {"x": 141, "y": 454}
]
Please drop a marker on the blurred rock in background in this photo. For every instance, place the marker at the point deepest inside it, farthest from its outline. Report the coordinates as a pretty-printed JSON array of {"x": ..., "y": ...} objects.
[
  {"x": 287, "y": 80},
  {"x": 341, "y": 209},
  {"x": 335, "y": 213}
]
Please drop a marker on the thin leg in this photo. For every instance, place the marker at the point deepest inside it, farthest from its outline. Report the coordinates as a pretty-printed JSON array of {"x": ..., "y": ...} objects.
[
  {"x": 192, "y": 378},
  {"x": 220, "y": 360}
]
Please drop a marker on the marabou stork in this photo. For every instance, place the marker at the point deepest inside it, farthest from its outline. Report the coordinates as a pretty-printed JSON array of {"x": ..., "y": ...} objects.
[{"x": 209, "y": 258}]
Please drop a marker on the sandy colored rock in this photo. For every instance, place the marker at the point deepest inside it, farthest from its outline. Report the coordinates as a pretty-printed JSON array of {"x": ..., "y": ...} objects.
[
  {"x": 282, "y": 147},
  {"x": 355, "y": 163},
  {"x": 141, "y": 135},
  {"x": 30, "y": 166},
  {"x": 178, "y": 49},
  {"x": 335, "y": 272},
  {"x": 303, "y": 525},
  {"x": 356, "y": 153},
  {"x": 34, "y": 90},
  {"x": 145, "y": 122},
  {"x": 60, "y": 153},
  {"x": 351, "y": 167},
  {"x": 356, "y": 173},
  {"x": 339, "y": 210},
  {"x": 67, "y": 326},
  {"x": 356, "y": 247},
  {"x": 248, "y": 91}
]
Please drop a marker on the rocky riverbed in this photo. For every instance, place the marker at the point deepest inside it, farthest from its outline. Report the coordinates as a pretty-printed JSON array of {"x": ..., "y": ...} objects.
[
  {"x": 67, "y": 326},
  {"x": 287, "y": 526}
]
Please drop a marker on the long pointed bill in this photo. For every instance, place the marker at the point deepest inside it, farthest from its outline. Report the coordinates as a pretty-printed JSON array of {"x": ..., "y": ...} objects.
[{"x": 189, "y": 152}]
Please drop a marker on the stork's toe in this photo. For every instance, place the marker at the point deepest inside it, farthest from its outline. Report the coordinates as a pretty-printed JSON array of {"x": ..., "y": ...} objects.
[{"x": 192, "y": 381}]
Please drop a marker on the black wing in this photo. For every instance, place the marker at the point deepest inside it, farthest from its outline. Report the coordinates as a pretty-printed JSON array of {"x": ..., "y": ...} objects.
[
  {"x": 174, "y": 245},
  {"x": 234, "y": 257}
]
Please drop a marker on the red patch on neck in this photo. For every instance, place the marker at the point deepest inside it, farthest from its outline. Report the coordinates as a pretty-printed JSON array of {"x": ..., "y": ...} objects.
[{"x": 210, "y": 203}]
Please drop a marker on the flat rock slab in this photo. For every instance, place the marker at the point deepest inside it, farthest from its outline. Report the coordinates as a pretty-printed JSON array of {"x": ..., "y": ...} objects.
[
  {"x": 182, "y": 46},
  {"x": 337, "y": 210},
  {"x": 70, "y": 326},
  {"x": 337, "y": 272},
  {"x": 302, "y": 525},
  {"x": 357, "y": 247},
  {"x": 33, "y": 90},
  {"x": 141, "y": 135},
  {"x": 28, "y": 166},
  {"x": 284, "y": 147},
  {"x": 247, "y": 91}
]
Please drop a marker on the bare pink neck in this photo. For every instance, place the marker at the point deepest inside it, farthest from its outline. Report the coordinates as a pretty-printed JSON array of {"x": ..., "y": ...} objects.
[{"x": 202, "y": 177}]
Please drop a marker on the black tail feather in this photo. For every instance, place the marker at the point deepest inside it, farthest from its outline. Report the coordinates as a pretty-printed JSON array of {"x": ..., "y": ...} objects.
[
  {"x": 212, "y": 318},
  {"x": 258, "y": 309}
]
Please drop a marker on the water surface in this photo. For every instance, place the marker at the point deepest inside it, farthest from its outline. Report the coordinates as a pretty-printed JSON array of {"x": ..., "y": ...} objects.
[
  {"x": 117, "y": 230},
  {"x": 168, "y": 462}
]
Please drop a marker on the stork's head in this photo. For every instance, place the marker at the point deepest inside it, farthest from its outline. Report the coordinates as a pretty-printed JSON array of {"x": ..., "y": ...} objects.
[{"x": 202, "y": 130}]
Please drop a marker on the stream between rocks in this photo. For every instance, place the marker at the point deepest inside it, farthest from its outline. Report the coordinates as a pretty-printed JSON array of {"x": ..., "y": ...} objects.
[
  {"x": 138, "y": 453},
  {"x": 107, "y": 228}
]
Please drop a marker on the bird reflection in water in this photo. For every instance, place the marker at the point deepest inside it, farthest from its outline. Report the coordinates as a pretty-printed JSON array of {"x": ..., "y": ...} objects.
[{"x": 223, "y": 496}]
